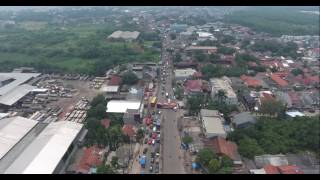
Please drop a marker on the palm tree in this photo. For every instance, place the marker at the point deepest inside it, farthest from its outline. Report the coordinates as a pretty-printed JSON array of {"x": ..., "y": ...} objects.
[{"x": 221, "y": 96}]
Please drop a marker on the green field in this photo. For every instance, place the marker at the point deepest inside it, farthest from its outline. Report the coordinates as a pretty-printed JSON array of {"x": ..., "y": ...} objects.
[{"x": 74, "y": 49}]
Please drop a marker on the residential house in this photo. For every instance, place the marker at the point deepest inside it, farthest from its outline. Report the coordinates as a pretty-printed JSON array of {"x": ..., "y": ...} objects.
[
  {"x": 193, "y": 87},
  {"x": 212, "y": 123},
  {"x": 223, "y": 147},
  {"x": 243, "y": 120},
  {"x": 223, "y": 84},
  {"x": 92, "y": 157}
]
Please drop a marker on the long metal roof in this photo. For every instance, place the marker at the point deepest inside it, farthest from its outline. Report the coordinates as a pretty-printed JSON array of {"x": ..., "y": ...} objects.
[
  {"x": 121, "y": 106},
  {"x": 16, "y": 94},
  {"x": 44, "y": 154},
  {"x": 19, "y": 78},
  {"x": 12, "y": 130}
]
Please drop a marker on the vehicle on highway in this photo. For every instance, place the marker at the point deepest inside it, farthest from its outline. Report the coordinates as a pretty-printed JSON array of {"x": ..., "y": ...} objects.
[
  {"x": 154, "y": 135},
  {"x": 152, "y": 160},
  {"x": 151, "y": 169},
  {"x": 145, "y": 140},
  {"x": 150, "y": 141},
  {"x": 153, "y": 142},
  {"x": 145, "y": 150}
]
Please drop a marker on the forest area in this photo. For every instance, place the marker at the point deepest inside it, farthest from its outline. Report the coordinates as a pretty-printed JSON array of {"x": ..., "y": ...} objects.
[{"x": 277, "y": 20}]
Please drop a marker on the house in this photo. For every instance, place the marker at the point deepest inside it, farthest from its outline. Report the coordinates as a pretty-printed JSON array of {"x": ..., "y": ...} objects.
[
  {"x": 250, "y": 81},
  {"x": 279, "y": 81},
  {"x": 197, "y": 75},
  {"x": 223, "y": 147},
  {"x": 113, "y": 86},
  {"x": 92, "y": 157},
  {"x": 206, "y": 49},
  {"x": 243, "y": 119},
  {"x": 129, "y": 130},
  {"x": 186, "y": 64},
  {"x": 212, "y": 123},
  {"x": 285, "y": 169},
  {"x": 224, "y": 84},
  {"x": 193, "y": 86}
]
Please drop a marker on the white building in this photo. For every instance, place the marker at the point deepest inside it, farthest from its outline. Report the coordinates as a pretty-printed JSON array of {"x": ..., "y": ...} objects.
[
  {"x": 125, "y": 106},
  {"x": 127, "y": 35},
  {"x": 212, "y": 123},
  {"x": 49, "y": 151},
  {"x": 182, "y": 74},
  {"x": 223, "y": 84}
]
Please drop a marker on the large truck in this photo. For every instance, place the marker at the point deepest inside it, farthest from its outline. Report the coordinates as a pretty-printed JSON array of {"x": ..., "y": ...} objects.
[{"x": 153, "y": 101}]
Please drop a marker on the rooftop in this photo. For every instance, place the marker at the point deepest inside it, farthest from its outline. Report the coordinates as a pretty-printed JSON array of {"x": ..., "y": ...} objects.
[
  {"x": 281, "y": 82},
  {"x": 243, "y": 117},
  {"x": 194, "y": 85},
  {"x": 121, "y": 106},
  {"x": 125, "y": 34},
  {"x": 201, "y": 48},
  {"x": 19, "y": 79},
  {"x": 16, "y": 94},
  {"x": 228, "y": 148},
  {"x": 223, "y": 84},
  {"x": 44, "y": 154},
  {"x": 250, "y": 81},
  {"x": 114, "y": 81},
  {"x": 12, "y": 130},
  {"x": 91, "y": 158}
]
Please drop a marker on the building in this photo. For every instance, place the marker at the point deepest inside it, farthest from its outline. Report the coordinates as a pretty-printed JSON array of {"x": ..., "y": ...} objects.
[
  {"x": 49, "y": 152},
  {"x": 92, "y": 158},
  {"x": 178, "y": 28},
  {"x": 293, "y": 114},
  {"x": 251, "y": 82},
  {"x": 270, "y": 169},
  {"x": 126, "y": 107},
  {"x": 223, "y": 147},
  {"x": 243, "y": 120},
  {"x": 212, "y": 123},
  {"x": 12, "y": 130},
  {"x": 206, "y": 49},
  {"x": 112, "y": 87},
  {"x": 224, "y": 84},
  {"x": 279, "y": 81},
  {"x": 183, "y": 74},
  {"x": 126, "y": 35},
  {"x": 267, "y": 159},
  {"x": 129, "y": 130},
  {"x": 193, "y": 87},
  {"x": 13, "y": 96}
]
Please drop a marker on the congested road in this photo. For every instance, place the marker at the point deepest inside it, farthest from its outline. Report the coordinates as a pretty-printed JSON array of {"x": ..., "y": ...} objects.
[{"x": 171, "y": 155}]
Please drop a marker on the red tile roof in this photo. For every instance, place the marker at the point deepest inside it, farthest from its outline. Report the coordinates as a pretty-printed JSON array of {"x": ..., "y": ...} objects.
[
  {"x": 114, "y": 81},
  {"x": 267, "y": 97},
  {"x": 105, "y": 123},
  {"x": 197, "y": 74},
  {"x": 290, "y": 169},
  {"x": 193, "y": 85},
  {"x": 228, "y": 148},
  {"x": 279, "y": 80},
  {"x": 250, "y": 82},
  {"x": 90, "y": 158},
  {"x": 271, "y": 169},
  {"x": 285, "y": 169},
  {"x": 128, "y": 130}
]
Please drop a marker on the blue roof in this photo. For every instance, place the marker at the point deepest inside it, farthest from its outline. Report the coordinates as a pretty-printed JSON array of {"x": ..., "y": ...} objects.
[
  {"x": 195, "y": 165},
  {"x": 143, "y": 160}
]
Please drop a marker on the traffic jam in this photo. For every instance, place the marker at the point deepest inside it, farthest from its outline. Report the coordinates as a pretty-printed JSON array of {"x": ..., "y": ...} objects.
[{"x": 150, "y": 159}]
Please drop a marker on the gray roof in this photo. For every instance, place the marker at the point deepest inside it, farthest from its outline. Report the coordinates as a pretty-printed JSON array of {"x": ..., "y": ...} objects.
[
  {"x": 19, "y": 79},
  {"x": 125, "y": 34},
  {"x": 243, "y": 117},
  {"x": 16, "y": 94},
  {"x": 275, "y": 160},
  {"x": 208, "y": 113}
]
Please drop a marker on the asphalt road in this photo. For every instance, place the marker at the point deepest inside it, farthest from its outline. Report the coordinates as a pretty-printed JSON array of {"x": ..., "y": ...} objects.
[{"x": 171, "y": 156}]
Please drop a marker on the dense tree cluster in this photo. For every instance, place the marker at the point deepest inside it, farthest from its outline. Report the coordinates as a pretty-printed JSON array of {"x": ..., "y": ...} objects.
[
  {"x": 273, "y": 136},
  {"x": 214, "y": 164},
  {"x": 129, "y": 78},
  {"x": 276, "y": 48}
]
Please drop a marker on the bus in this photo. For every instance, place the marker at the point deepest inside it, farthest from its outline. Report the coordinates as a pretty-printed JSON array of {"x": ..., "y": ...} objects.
[{"x": 153, "y": 101}]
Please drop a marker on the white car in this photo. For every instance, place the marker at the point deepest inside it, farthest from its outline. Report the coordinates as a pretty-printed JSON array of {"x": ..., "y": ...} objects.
[{"x": 153, "y": 142}]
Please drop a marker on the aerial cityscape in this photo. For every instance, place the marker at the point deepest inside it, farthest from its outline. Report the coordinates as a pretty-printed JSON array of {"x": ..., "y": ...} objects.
[{"x": 159, "y": 90}]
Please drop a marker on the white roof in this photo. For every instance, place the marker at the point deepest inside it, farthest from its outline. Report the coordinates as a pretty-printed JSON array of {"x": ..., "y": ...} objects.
[
  {"x": 294, "y": 113},
  {"x": 257, "y": 171},
  {"x": 16, "y": 94},
  {"x": 19, "y": 79},
  {"x": 12, "y": 130},
  {"x": 40, "y": 90},
  {"x": 125, "y": 34},
  {"x": 121, "y": 106},
  {"x": 44, "y": 154},
  {"x": 109, "y": 88},
  {"x": 223, "y": 84},
  {"x": 204, "y": 34},
  {"x": 184, "y": 72},
  {"x": 213, "y": 125},
  {"x": 289, "y": 61}
]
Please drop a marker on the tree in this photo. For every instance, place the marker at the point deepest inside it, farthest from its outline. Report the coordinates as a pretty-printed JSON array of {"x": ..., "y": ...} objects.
[
  {"x": 271, "y": 107},
  {"x": 140, "y": 135},
  {"x": 249, "y": 148},
  {"x": 296, "y": 71},
  {"x": 226, "y": 50},
  {"x": 173, "y": 36},
  {"x": 129, "y": 78},
  {"x": 214, "y": 166},
  {"x": 105, "y": 169},
  {"x": 204, "y": 156},
  {"x": 99, "y": 99},
  {"x": 187, "y": 139},
  {"x": 195, "y": 103},
  {"x": 221, "y": 96},
  {"x": 177, "y": 57},
  {"x": 114, "y": 162}
]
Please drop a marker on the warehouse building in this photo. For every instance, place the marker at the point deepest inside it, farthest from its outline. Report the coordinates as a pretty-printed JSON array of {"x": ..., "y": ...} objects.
[
  {"x": 50, "y": 151},
  {"x": 12, "y": 130},
  {"x": 126, "y": 35},
  {"x": 132, "y": 107}
]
